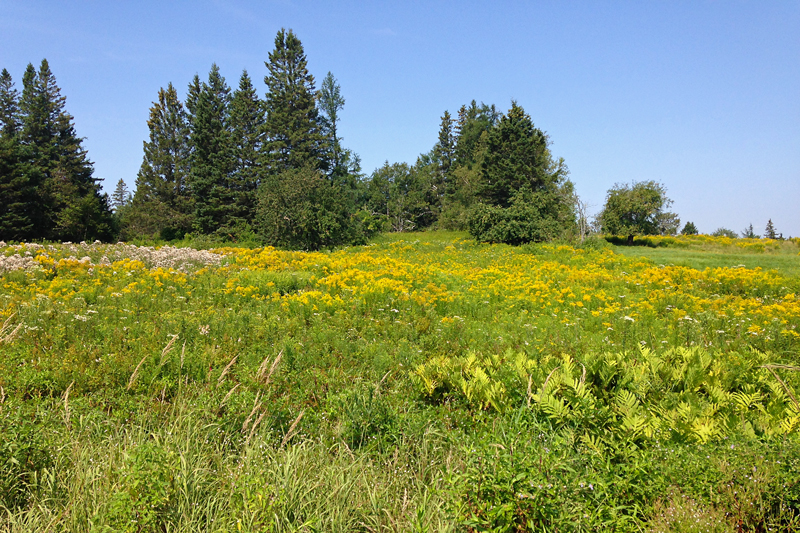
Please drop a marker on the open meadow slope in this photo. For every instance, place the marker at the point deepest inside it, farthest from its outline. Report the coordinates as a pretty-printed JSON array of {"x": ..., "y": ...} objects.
[{"x": 420, "y": 383}]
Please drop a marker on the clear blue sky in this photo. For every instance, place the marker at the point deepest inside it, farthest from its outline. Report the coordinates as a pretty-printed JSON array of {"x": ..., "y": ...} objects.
[{"x": 703, "y": 96}]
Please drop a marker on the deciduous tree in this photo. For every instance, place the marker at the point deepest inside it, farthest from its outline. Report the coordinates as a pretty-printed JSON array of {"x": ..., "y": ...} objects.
[{"x": 638, "y": 209}]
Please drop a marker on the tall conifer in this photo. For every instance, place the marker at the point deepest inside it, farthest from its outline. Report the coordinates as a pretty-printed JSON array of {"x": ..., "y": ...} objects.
[
  {"x": 294, "y": 136},
  {"x": 212, "y": 156},
  {"x": 331, "y": 102},
  {"x": 16, "y": 191},
  {"x": 161, "y": 203},
  {"x": 247, "y": 130},
  {"x": 69, "y": 203},
  {"x": 445, "y": 154}
]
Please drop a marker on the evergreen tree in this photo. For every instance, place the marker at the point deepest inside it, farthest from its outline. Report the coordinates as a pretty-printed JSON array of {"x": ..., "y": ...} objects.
[
  {"x": 330, "y": 103},
  {"x": 517, "y": 157},
  {"x": 749, "y": 233},
  {"x": 69, "y": 204},
  {"x": 193, "y": 94},
  {"x": 16, "y": 191},
  {"x": 247, "y": 131},
  {"x": 472, "y": 122},
  {"x": 161, "y": 204},
  {"x": 525, "y": 194},
  {"x": 9, "y": 105},
  {"x": 121, "y": 196},
  {"x": 445, "y": 154},
  {"x": 689, "y": 229},
  {"x": 212, "y": 159},
  {"x": 294, "y": 136},
  {"x": 770, "y": 232}
]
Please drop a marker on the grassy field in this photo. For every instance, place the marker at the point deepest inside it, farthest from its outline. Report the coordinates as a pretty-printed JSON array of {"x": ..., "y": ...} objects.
[
  {"x": 699, "y": 253},
  {"x": 420, "y": 383}
]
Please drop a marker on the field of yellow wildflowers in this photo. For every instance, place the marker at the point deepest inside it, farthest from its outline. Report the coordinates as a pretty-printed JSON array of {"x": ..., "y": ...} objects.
[{"x": 420, "y": 383}]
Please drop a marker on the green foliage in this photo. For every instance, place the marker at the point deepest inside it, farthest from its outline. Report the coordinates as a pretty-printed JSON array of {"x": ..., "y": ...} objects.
[
  {"x": 678, "y": 395},
  {"x": 516, "y": 159},
  {"x": 247, "y": 136},
  {"x": 47, "y": 182},
  {"x": 532, "y": 217},
  {"x": 525, "y": 196},
  {"x": 162, "y": 205},
  {"x": 301, "y": 209},
  {"x": 689, "y": 229},
  {"x": 725, "y": 232},
  {"x": 638, "y": 209},
  {"x": 294, "y": 135},
  {"x": 212, "y": 158},
  {"x": 401, "y": 194},
  {"x": 24, "y": 456},
  {"x": 150, "y": 489},
  {"x": 331, "y": 102}
]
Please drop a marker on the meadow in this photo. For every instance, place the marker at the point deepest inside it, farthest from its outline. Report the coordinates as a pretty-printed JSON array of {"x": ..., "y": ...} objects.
[{"x": 420, "y": 383}]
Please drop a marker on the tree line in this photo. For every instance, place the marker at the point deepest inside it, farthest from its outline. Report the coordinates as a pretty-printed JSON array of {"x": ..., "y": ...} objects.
[
  {"x": 47, "y": 188},
  {"x": 227, "y": 163}
]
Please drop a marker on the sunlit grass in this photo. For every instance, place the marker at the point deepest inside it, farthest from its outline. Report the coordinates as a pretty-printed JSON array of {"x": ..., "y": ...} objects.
[{"x": 420, "y": 383}]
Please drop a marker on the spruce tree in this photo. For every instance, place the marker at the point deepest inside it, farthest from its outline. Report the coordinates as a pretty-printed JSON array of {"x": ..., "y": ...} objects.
[
  {"x": 161, "y": 203},
  {"x": 9, "y": 105},
  {"x": 121, "y": 196},
  {"x": 247, "y": 137},
  {"x": 193, "y": 94},
  {"x": 689, "y": 229},
  {"x": 212, "y": 156},
  {"x": 299, "y": 206},
  {"x": 770, "y": 232},
  {"x": 69, "y": 204},
  {"x": 517, "y": 157},
  {"x": 16, "y": 191},
  {"x": 331, "y": 102},
  {"x": 294, "y": 136},
  {"x": 445, "y": 155},
  {"x": 525, "y": 194}
]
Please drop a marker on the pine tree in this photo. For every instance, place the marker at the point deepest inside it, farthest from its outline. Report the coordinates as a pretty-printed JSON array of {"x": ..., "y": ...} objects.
[
  {"x": 212, "y": 156},
  {"x": 16, "y": 192},
  {"x": 770, "y": 232},
  {"x": 445, "y": 154},
  {"x": 689, "y": 229},
  {"x": 517, "y": 157},
  {"x": 69, "y": 204},
  {"x": 161, "y": 203},
  {"x": 121, "y": 196},
  {"x": 331, "y": 102},
  {"x": 294, "y": 136},
  {"x": 195, "y": 88},
  {"x": 247, "y": 131},
  {"x": 525, "y": 194}
]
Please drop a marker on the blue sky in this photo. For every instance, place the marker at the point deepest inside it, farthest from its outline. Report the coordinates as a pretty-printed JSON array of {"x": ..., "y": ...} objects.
[{"x": 702, "y": 96}]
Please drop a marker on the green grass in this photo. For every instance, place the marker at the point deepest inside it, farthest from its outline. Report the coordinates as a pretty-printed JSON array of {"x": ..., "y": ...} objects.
[
  {"x": 786, "y": 263},
  {"x": 421, "y": 383}
]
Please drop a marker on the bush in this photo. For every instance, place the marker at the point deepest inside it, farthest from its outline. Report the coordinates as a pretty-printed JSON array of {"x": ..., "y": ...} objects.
[
  {"x": 531, "y": 217},
  {"x": 301, "y": 209}
]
